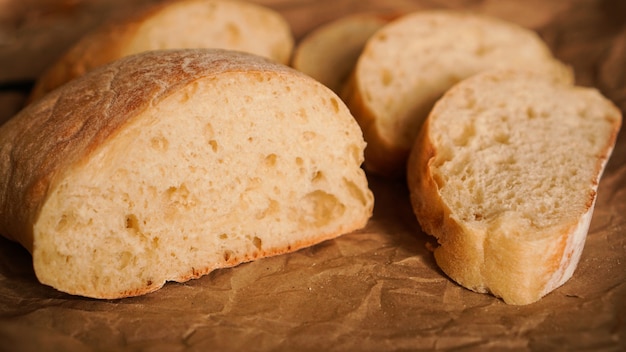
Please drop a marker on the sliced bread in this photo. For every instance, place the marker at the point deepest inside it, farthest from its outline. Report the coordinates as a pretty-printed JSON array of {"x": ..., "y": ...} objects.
[
  {"x": 330, "y": 52},
  {"x": 225, "y": 24},
  {"x": 166, "y": 165},
  {"x": 410, "y": 62},
  {"x": 504, "y": 174}
]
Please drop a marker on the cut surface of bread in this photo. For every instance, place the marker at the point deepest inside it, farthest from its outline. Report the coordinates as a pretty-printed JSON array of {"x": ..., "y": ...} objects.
[
  {"x": 504, "y": 174},
  {"x": 166, "y": 165},
  {"x": 224, "y": 24},
  {"x": 410, "y": 62},
  {"x": 330, "y": 52}
]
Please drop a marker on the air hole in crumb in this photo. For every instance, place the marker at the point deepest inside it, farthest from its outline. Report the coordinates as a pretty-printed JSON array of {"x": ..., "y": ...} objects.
[
  {"x": 132, "y": 222},
  {"x": 303, "y": 114},
  {"x": 272, "y": 208},
  {"x": 299, "y": 161},
  {"x": 227, "y": 255},
  {"x": 319, "y": 208},
  {"x": 355, "y": 191},
  {"x": 482, "y": 50},
  {"x": 149, "y": 283},
  {"x": 335, "y": 104},
  {"x": 125, "y": 258},
  {"x": 317, "y": 176},
  {"x": 257, "y": 242},
  {"x": 62, "y": 223},
  {"x": 213, "y": 144},
  {"x": 386, "y": 77},
  {"x": 356, "y": 153},
  {"x": 159, "y": 143},
  {"x": 223, "y": 236},
  {"x": 502, "y": 138},
  {"x": 270, "y": 160},
  {"x": 309, "y": 135},
  {"x": 234, "y": 32},
  {"x": 208, "y": 130}
]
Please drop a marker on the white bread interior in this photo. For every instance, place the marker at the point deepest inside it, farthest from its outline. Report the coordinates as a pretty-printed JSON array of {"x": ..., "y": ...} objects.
[
  {"x": 410, "y": 62},
  {"x": 223, "y": 24},
  {"x": 504, "y": 174},
  {"x": 164, "y": 166},
  {"x": 330, "y": 52}
]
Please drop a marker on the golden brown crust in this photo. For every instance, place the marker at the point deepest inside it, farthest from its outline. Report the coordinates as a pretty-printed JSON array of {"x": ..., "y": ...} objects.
[
  {"x": 94, "y": 49},
  {"x": 101, "y": 46}
]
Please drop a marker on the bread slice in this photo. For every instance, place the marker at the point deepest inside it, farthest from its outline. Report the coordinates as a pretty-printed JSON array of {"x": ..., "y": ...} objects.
[
  {"x": 504, "y": 174},
  {"x": 225, "y": 24},
  {"x": 330, "y": 52},
  {"x": 409, "y": 63},
  {"x": 166, "y": 165}
]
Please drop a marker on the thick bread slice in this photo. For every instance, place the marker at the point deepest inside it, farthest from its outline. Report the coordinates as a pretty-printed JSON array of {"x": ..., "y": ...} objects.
[
  {"x": 169, "y": 164},
  {"x": 330, "y": 52},
  {"x": 504, "y": 174},
  {"x": 409, "y": 63},
  {"x": 225, "y": 24}
]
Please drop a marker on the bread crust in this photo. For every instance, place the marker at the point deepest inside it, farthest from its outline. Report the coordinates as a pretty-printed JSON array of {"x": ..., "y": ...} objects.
[
  {"x": 109, "y": 41},
  {"x": 518, "y": 269}
]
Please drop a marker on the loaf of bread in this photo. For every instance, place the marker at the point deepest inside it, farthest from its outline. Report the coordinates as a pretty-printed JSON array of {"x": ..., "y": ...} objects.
[
  {"x": 410, "y": 62},
  {"x": 165, "y": 165},
  {"x": 225, "y": 24},
  {"x": 504, "y": 173},
  {"x": 330, "y": 52}
]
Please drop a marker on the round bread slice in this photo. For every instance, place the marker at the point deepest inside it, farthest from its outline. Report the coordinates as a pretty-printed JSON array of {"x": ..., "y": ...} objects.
[
  {"x": 330, "y": 52},
  {"x": 409, "y": 63},
  {"x": 223, "y": 24},
  {"x": 504, "y": 174},
  {"x": 166, "y": 165}
]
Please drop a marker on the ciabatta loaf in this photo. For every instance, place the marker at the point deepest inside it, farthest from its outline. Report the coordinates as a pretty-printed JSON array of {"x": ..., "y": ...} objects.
[
  {"x": 504, "y": 174},
  {"x": 410, "y": 62},
  {"x": 330, "y": 52},
  {"x": 225, "y": 24},
  {"x": 166, "y": 165}
]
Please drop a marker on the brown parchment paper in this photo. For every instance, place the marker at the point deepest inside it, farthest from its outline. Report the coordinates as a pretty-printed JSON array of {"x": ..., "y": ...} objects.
[{"x": 374, "y": 290}]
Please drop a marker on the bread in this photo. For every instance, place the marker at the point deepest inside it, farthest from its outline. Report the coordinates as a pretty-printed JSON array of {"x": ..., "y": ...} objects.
[
  {"x": 504, "y": 173},
  {"x": 166, "y": 165},
  {"x": 330, "y": 52},
  {"x": 410, "y": 62},
  {"x": 225, "y": 24}
]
